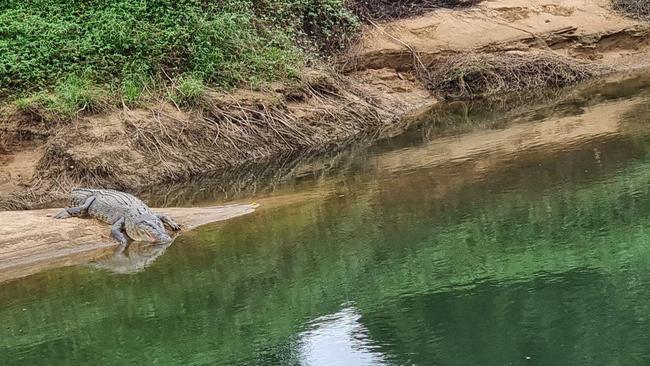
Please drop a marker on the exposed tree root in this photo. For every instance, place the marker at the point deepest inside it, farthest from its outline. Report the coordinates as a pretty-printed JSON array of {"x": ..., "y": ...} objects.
[
  {"x": 162, "y": 144},
  {"x": 479, "y": 75},
  {"x": 639, "y": 9},
  {"x": 396, "y": 9}
]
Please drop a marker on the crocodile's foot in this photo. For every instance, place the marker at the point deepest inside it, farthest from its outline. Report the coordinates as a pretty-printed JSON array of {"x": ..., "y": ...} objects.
[
  {"x": 169, "y": 222},
  {"x": 62, "y": 215}
]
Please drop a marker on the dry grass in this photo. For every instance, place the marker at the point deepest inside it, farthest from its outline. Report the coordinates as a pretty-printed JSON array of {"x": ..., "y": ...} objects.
[
  {"x": 396, "y": 9},
  {"x": 639, "y": 9},
  {"x": 471, "y": 76}
]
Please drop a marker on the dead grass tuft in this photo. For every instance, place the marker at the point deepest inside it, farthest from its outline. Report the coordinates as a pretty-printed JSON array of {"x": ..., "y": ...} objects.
[
  {"x": 639, "y": 9},
  {"x": 397, "y": 9},
  {"x": 471, "y": 76}
]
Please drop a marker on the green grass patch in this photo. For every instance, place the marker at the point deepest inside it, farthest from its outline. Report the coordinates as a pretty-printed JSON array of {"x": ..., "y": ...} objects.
[
  {"x": 69, "y": 98},
  {"x": 188, "y": 91},
  {"x": 137, "y": 47}
]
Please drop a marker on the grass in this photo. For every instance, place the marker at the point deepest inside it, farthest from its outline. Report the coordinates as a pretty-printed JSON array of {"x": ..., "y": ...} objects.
[
  {"x": 67, "y": 99},
  {"x": 189, "y": 91},
  {"x": 136, "y": 48}
]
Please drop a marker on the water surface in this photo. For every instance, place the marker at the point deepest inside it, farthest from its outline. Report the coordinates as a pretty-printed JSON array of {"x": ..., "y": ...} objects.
[{"x": 516, "y": 235}]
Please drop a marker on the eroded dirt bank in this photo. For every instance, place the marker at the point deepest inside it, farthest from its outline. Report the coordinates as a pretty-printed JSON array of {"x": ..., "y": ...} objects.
[
  {"x": 600, "y": 116},
  {"x": 579, "y": 29},
  {"x": 132, "y": 148}
]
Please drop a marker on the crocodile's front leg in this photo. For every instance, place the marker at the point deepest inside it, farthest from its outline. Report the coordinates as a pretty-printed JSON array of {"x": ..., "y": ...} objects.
[
  {"x": 169, "y": 222},
  {"x": 76, "y": 211},
  {"x": 117, "y": 231}
]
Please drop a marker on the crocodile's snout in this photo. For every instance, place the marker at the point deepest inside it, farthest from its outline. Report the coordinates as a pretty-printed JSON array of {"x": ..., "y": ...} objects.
[
  {"x": 157, "y": 235},
  {"x": 151, "y": 230},
  {"x": 161, "y": 238}
]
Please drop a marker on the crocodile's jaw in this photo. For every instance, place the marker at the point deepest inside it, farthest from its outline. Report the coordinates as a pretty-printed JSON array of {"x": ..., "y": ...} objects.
[
  {"x": 160, "y": 238},
  {"x": 148, "y": 235},
  {"x": 149, "y": 229}
]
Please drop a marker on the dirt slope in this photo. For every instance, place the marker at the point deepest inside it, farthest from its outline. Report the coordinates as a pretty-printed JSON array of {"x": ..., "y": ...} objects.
[
  {"x": 579, "y": 28},
  {"x": 590, "y": 30}
]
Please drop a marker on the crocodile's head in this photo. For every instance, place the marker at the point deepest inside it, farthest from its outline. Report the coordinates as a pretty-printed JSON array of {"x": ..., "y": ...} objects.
[{"x": 148, "y": 228}]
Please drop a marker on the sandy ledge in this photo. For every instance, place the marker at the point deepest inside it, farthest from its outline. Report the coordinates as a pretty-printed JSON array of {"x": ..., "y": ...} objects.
[{"x": 33, "y": 241}]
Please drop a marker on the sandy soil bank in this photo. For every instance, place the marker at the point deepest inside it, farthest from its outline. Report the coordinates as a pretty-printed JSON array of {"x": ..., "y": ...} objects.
[
  {"x": 33, "y": 241},
  {"x": 128, "y": 149},
  {"x": 583, "y": 29}
]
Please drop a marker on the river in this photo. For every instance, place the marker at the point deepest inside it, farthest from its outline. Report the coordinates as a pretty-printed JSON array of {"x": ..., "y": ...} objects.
[{"x": 508, "y": 234}]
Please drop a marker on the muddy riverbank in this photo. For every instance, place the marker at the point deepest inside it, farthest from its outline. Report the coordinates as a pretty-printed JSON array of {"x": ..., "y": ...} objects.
[
  {"x": 461, "y": 145},
  {"x": 379, "y": 94}
]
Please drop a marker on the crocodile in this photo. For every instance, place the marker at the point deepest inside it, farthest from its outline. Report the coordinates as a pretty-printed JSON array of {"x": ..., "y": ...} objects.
[{"x": 124, "y": 212}]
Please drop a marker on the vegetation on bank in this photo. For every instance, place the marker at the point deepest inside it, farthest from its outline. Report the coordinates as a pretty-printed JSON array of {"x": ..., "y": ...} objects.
[
  {"x": 62, "y": 57},
  {"x": 68, "y": 55}
]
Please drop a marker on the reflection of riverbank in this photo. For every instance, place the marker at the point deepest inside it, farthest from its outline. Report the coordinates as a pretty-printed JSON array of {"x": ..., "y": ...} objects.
[
  {"x": 453, "y": 134},
  {"x": 597, "y": 136}
]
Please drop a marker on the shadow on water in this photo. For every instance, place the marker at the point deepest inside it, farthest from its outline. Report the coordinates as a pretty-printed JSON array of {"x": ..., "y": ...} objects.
[{"x": 525, "y": 244}]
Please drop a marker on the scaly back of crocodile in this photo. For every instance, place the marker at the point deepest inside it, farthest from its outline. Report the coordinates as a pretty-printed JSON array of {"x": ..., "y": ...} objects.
[{"x": 110, "y": 205}]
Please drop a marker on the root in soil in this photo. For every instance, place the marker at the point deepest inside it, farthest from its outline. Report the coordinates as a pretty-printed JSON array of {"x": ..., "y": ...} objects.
[
  {"x": 397, "y": 9},
  {"x": 639, "y": 9},
  {"x": 472, "y": 76},
  {"x": 162, "y": 145}
]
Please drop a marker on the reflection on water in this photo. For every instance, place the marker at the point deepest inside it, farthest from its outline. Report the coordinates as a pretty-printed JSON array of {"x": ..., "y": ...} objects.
[
  {"x": 135, "y": 258},
  {"x": 459, "y": 132},
  {"x": 339, "y": 339},
  {"x": 517, "y": 243}
]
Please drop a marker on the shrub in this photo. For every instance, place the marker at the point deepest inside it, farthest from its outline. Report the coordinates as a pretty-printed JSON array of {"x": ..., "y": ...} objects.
[
  {"x": 395, "y": 9},
  {"x": 328, "y": 25},
  {"x": 224, "y": 42}
]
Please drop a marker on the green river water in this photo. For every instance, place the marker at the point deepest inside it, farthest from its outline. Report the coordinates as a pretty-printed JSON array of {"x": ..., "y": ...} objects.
[{"x": 519, "y": 236}]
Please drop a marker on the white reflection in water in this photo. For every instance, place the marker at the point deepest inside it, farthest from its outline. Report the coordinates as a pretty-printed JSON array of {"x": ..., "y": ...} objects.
[{"x": 339, "y": 339}]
